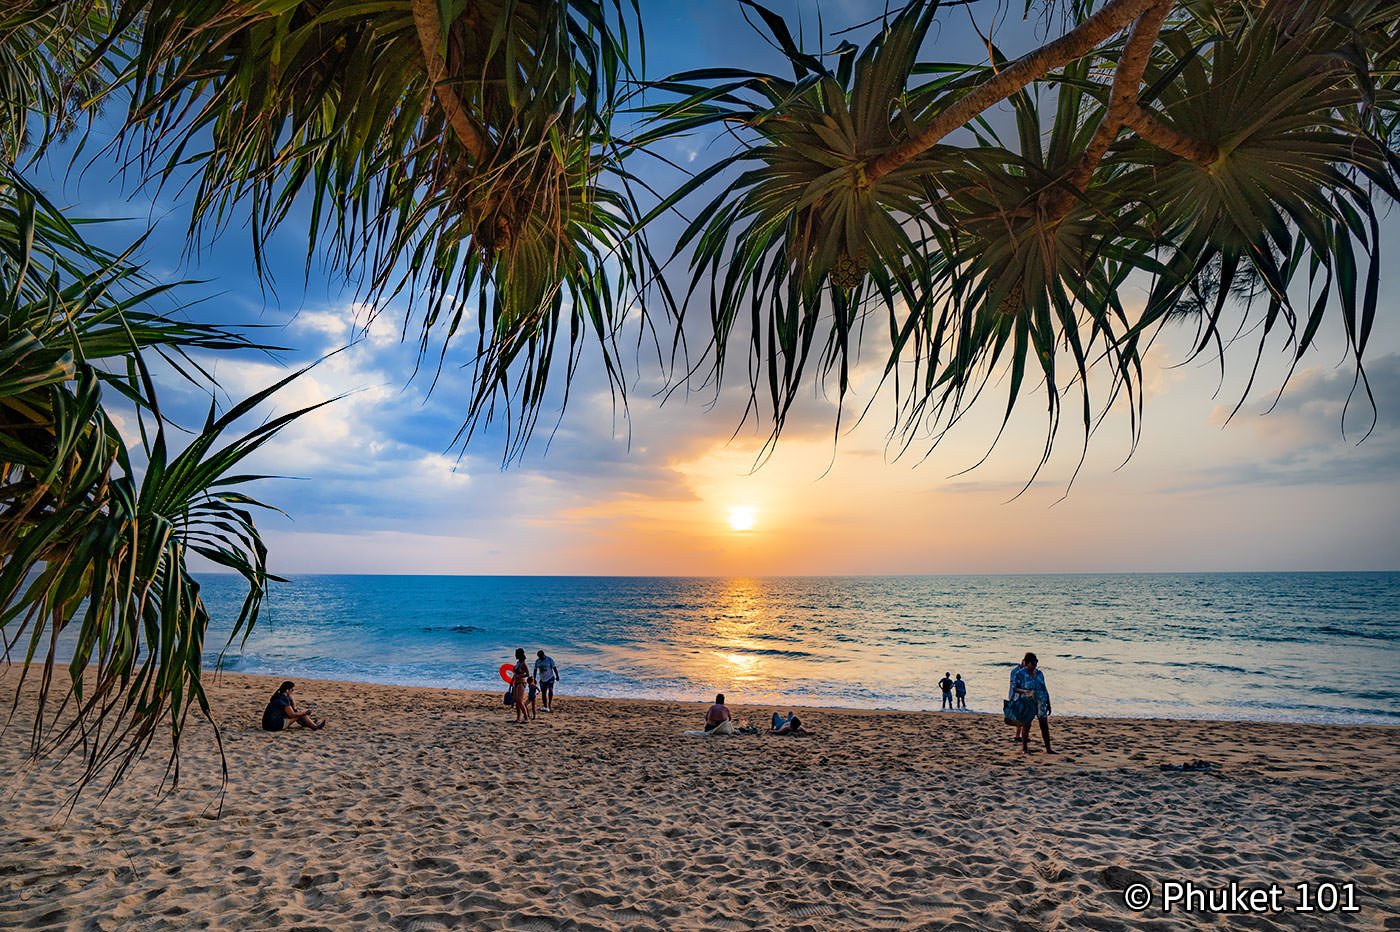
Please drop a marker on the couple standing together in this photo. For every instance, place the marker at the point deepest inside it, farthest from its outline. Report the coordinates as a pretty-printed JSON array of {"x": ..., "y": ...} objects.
[{"x": 524, "y": 684}]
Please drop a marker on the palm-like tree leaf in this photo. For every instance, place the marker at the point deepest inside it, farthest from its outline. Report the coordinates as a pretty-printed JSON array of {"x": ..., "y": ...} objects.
[
  {"x": 1270, "y": 128},
  {"x": 92, "y": 558},
  {"x": 497, "y": 186}
]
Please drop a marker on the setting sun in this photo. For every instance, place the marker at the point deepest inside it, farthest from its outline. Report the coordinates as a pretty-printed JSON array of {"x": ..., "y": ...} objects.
[{"x": 742, "y": 517}]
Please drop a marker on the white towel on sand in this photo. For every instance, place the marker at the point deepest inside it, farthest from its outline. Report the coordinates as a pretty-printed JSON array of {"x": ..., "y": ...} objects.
[{"x": 723, "y": 728}]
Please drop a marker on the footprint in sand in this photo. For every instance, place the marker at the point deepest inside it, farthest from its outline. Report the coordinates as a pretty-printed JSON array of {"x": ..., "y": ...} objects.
[{"x": 724, "y": 922}]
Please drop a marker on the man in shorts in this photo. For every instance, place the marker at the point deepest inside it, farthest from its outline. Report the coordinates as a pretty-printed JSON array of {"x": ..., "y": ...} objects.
[
  {"x": 546, "y": 675},
  {"x": 946, "y": 684}
]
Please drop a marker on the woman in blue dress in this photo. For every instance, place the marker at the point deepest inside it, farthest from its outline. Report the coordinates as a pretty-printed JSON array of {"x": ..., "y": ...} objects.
[{"x": 1029, "y": 681}]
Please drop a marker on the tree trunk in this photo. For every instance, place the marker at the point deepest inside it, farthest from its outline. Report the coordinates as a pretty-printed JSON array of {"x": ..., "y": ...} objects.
[{"x": 429, "y": 24}]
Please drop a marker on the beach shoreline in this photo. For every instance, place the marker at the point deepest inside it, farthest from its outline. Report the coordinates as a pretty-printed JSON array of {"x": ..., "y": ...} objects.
[
  {"x": 1220, "y": 647},
  {"x": 424, "y": 808},
  {"x": 802, "y": 704}
]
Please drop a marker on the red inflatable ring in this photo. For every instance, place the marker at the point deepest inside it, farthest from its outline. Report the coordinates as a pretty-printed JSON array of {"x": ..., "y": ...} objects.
[{"x": 508, "y": 672}]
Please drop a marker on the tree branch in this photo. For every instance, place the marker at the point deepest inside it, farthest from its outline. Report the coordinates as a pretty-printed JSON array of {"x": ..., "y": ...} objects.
[
  {"x": 1124, "y": 95},
  {"x": 429, "y": 24},
  {"x": 1078, "y": 42},
  {"x": 1163, "y": 136}
]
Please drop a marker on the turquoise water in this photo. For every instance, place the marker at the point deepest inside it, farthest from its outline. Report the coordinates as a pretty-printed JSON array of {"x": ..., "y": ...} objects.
[{"x": 1266, "y": 646}]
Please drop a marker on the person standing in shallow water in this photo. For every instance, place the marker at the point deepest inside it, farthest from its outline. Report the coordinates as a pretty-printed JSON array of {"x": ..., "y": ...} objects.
[
  {"x": 960, "y": 690},
  {"x": 1030, "y": 681},
  {"x": 519, "y": 681},
  {"x": 946, "y": 684}
]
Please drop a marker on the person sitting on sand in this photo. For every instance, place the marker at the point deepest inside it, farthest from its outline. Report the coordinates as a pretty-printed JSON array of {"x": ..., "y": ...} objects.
[
  {"x": 283, "y": 709},
  {"x": 791, "y": 725},
  {"x": 1030, "y": 681},
  {"x": 960, "y": 690},
  {"x": 718, "y": 714},
  {"x": 946, "y": 684}
]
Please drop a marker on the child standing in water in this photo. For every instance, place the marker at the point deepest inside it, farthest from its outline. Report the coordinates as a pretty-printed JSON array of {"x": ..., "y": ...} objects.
[{"x": 960, "y": 690}]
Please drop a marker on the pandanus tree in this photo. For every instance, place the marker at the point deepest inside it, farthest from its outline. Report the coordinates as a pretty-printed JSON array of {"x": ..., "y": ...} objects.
[
  {"x": 1204, "y": 149},
  {"x": 1229, "y": 157},
  {"x": 97, "y": 527},
  {"x": 459, "y": 151},
  {"x": 95, "y": 540}
]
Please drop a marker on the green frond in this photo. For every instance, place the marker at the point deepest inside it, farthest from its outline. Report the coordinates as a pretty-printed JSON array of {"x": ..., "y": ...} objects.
[
  {"x": 89, "y": 555},
  {"x": 332, "y": 106},
  {"x": 50, "y": 72},
  {"x": 801, "y": 238},
  {"x": 1009, "y": 256}
]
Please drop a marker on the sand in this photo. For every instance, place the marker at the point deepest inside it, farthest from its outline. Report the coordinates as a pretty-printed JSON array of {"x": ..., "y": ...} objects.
[{"x": 426, "y": 809}]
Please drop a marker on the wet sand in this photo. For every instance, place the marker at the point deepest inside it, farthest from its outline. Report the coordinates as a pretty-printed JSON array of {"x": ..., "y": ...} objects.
[{"x": 425, "y": 809}]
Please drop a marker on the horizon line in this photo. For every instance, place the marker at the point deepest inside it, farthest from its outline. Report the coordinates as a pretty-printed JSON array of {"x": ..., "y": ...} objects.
[{"x": 1232, "y": 572}]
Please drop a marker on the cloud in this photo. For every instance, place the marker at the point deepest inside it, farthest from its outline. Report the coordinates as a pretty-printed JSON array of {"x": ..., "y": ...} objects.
[{"x": 1313, "y": 434}]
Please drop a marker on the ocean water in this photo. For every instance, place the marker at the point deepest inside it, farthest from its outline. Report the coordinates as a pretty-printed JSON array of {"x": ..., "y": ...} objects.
[{"x": 1321, "y": 647}]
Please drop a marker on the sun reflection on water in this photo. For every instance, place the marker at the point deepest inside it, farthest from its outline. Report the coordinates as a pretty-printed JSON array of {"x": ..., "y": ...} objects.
[{"x": 743, "y": 628}]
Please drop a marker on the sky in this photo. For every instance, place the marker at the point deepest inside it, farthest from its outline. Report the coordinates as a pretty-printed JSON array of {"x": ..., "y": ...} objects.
[{"x": 677, "y": 484}]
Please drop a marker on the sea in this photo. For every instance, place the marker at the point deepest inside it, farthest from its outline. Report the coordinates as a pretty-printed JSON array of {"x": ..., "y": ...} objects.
[{"x": 1298, "y": 647}]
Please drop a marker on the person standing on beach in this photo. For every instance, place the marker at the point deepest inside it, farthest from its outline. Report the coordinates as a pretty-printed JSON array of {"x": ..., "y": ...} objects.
[
  {"x": 546, "y": 673},
  {"x": 960, "y": 690},
  {"x": 1011, "y": 697},
  {"x": 946, "y": 684},
  {"x": 519, "y": 680},
  {"x": 1029, "y": 682}
]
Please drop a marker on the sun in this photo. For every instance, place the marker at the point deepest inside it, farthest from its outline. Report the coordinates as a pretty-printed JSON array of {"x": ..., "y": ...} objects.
[{"x": 743, "y": 517}]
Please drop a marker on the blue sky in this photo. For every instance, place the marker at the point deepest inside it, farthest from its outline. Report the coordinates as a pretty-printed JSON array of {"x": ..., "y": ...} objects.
[{"x": 380, "y": 487}]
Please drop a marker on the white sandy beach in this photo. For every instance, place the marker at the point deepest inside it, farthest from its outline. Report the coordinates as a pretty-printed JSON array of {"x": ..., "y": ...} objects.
[{"x": 426, "y": 809}]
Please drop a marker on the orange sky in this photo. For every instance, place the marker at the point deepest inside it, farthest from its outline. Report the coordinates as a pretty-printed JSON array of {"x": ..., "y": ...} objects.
[{"x": 1276, "y": 491}]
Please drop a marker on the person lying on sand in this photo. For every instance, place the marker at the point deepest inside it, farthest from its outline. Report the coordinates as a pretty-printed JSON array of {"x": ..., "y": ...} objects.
[
  {"x": 283, "y": 709},
  {"x": 718, "y": 714},
  {"x": 791, "y": 725}
]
